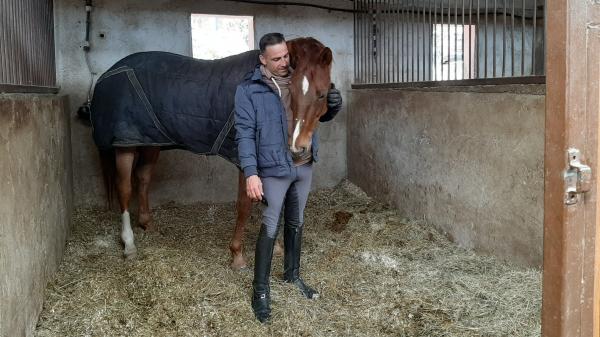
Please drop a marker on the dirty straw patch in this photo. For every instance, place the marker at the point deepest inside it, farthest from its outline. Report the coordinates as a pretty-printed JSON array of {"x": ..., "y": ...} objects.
[{"x": 378, "y": 275}]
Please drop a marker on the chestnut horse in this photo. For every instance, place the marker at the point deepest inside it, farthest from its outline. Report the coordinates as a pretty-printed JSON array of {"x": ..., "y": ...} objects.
[{"x": 310, "y": 82}]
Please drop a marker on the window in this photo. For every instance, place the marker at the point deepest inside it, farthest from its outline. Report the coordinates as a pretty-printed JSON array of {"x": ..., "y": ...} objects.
[
  {"x": 218, "y": 36},
  {"x": 453, "y": 61}
]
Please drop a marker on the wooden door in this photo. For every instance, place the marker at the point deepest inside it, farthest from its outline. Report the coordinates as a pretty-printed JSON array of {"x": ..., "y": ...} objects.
[{"x": 571, "y": 236}]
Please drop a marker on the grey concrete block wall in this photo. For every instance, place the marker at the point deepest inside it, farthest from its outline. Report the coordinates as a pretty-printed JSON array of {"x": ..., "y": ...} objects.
[
  {"x": 469, "y": 163},
  {"x": 35, "y": 203},
  {"x": 134, "y": 26}
]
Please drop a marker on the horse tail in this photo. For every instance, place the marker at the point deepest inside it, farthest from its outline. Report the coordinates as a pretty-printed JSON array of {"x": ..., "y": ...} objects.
[{"x": 109, "y": 173}]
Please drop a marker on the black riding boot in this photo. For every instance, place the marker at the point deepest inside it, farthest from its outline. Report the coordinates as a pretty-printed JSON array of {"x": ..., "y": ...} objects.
[
  {"x": 261, "y": 297},
  {"x": 292, "y": 237}
]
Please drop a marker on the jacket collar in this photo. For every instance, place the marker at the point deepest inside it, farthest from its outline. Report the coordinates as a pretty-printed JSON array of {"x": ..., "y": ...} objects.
[{"x": 257, "y": 75}]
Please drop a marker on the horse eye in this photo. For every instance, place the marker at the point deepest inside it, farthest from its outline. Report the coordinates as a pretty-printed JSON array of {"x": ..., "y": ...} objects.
[{"x": 322, "y": 96}]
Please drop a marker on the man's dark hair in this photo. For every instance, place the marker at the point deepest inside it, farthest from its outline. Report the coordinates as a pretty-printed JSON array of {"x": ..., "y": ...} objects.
[{"x": 269, "y": 40}]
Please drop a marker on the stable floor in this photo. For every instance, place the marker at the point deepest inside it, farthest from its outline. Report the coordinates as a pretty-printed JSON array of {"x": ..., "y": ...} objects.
[{"x": 378, "y": 274}]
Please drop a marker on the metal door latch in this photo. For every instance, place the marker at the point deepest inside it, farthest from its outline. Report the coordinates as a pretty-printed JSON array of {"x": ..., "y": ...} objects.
[{"x": 578, "y": 177}]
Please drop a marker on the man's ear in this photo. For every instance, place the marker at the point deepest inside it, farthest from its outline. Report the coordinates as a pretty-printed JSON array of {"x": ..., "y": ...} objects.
[{"x": 262, "y": 60}]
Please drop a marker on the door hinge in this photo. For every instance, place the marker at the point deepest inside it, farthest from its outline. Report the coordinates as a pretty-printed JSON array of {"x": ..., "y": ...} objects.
[{"x": 578, "y": 177}]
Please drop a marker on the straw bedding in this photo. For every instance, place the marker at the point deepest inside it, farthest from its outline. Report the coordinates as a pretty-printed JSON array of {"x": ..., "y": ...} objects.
[{"x": 378, "y": 274}]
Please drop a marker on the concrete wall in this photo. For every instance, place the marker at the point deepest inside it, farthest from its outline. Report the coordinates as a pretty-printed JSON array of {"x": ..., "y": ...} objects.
[
  {"x": 35, "y": 203},
  {"x": 132, "y": 26},
  {"x": 470, "y": 163}
]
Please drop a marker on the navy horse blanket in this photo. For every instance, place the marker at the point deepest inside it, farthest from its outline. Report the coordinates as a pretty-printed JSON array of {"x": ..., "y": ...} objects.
[{"x": 169, "y": 100}]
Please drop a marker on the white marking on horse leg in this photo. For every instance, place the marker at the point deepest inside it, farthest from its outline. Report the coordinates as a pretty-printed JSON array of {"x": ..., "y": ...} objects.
[
  {"x": 305, "y": 85},
  {"x": 127, "y": 235},
  {"x": 295, "y": 135}
]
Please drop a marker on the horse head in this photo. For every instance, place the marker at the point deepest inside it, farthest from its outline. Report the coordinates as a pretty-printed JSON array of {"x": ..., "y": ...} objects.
[{"x": 310, "y": 83}]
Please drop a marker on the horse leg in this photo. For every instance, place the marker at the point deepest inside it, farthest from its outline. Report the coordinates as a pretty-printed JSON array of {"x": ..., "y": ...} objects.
[
  {"x": 244, "y": 208},
  {"x": 124, "y": 164},
  {"x": 143, "y": 172}
]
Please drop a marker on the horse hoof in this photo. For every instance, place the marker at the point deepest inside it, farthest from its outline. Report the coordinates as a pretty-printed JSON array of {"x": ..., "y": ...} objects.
[
  {"x": 239, "y": 266},
  {"x": 130, "y": 253},
  {"x": 242, "y": 270}
]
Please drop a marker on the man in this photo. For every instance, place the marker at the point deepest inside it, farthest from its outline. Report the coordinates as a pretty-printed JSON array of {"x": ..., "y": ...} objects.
[{"x": 272, "y": 175}]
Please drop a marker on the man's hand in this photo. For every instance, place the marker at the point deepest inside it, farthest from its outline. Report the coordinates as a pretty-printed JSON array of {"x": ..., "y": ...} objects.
[
  {"x": 254, "y": 188},
  {"x": 334, "y": 104}
]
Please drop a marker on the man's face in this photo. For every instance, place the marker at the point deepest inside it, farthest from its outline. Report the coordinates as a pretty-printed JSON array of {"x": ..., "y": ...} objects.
[{"x": 276, "y": 59}]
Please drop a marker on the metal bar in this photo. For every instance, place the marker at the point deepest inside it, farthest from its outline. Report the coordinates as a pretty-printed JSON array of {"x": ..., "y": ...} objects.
[
  {"x": 360, "y": 40},
  {"x": 442, "y": 41},
  {"x": 403, "y": 42},
  {"x": 544, "y": 16},
  {"x": 422, "y": 39},
  {"x": 523, "y": 38},
  {"x": 431, "y": 41},
  {"x": 49, "y": 70},
  {"x": 494, "y": 40},
  {"x": 485, "y": 57},
  {"x": 12, "y": 41},
  {"x": 29, "y": 59},
  {"x": 383, "y": 44},
  {"x": 470, "y": 38},
  {"x": 375, "y": 42},
  {"x": 376, "y": 53},
  {"x": 434, "y": 37},
  {"x": 449, "y": 22},
  {"x": 397, "y": 41},
  {"x": 371, "y": 64},
  {"x": 42, "y": 58},
  {"x": 34, "y": 36},
  {"x": 412, "y": 41},
  {"x": 19, "y": 88},
  {"x": 462, "y": 52},
  {"x": 444, "y": 83},
  {"x": 36, "y": 40},
  {"x": 512, "y": 40},
  {"x": 3, "y": 51},
  {"x": 390, "y": 40},
  {"x": 363, "y": 43},
  {"x": 455, "y": 36},
  {"x": 477, "y": 47},
  {"x": 419, "y": 27},
  {"x": 504, "y": 39},
  {"x": 367, "y": 41},
  {"x": 379, "y": 41},
  {"x": 390, "y": 44},
  {"x": 534, "y": 41},
  {"x": 355, "y": 35}
]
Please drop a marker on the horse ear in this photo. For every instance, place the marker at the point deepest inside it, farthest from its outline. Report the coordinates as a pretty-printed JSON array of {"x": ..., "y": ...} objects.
[
  {"x": 326, "y": 57},
  {"x": 291, "y": 50}
]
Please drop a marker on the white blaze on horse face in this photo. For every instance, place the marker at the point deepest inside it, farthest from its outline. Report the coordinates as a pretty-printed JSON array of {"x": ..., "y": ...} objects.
[
  {"x": 295, "y": 135},
  {"x": 127, "y": 235},
  {"x": 305, "y": 85}
]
